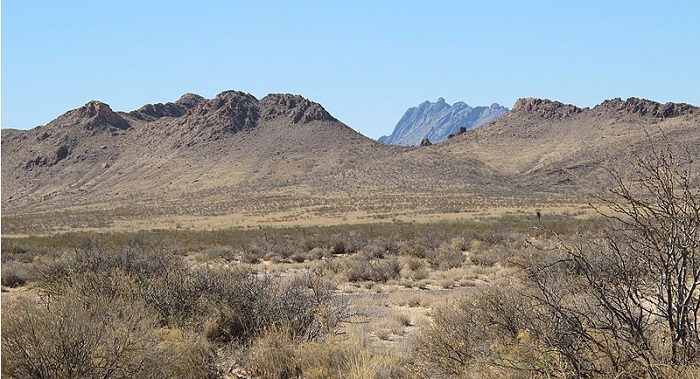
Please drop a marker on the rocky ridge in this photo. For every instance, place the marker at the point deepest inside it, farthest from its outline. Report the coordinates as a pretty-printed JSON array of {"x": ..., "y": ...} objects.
[
  {"x": 150, "y": 112},
  {"x": 648, "y": 108}
]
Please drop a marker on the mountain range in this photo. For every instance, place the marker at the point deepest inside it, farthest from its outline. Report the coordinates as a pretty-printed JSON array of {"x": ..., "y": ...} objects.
[
  {"x": 437, "y": 121},
  {"x": 237, "y": 161}
]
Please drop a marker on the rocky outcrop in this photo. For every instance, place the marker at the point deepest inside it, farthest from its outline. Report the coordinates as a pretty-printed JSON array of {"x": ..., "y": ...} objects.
[
  {"x": 229, "y": 111},
  {"x": 438, "y": 120},
  {"x": 150, "y": 112},
  {"x": 461, "y": 130},
  {"x": 294, "y": 107},
  {"x": 94, "y": 115},
  {"x": 646, "y": 108},
  {"x": 545, "y": 108}
]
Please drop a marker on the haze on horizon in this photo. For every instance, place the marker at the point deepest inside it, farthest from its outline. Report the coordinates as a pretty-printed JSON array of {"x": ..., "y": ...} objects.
[{"x": 365, "y": 62}]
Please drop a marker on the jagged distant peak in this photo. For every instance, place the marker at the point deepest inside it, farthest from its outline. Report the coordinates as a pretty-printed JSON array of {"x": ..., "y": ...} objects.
[
  {"x": 438, "y": 120},
  {"x": 644, "y": 107},
  {"x": 545, "y": 108}
]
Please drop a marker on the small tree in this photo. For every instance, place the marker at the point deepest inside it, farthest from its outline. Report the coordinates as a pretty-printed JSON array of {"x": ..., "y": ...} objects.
[{"x": 657, "y": 219}]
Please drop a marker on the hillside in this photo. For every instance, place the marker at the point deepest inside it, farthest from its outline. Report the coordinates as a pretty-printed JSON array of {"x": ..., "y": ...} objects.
[
  {"x": 236, "y": 161},
  {"x": 547, "y": 144},
  {"x": 231, "y": 155},
  {"x": 437, "y": 121}
]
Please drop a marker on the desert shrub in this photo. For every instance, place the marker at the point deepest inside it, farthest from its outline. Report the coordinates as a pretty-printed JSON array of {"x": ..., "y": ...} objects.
[
  {"x": 361, "y": 268},
  {"x": 445, "y": 257},
  {"x": 412, "y": 248},
  {"x": 454, "y": 342},
  {"x": 338, "y": 245},
  {"x": 14, "y": 274},
  {"x": 385, "y": 246},
  {"x": 316, "y": 253},
  {"x": 241, "y": 304},
  {"x": 486, "y": 258},
  {"x": 253, "y": 254},
  {"x": 489, "y": 328},
  {"x": 66, "y": 338},
  {"x": 274, "y": 355},
  {"x": 414, "y": 264},
  {"x": 136, "y": 258},
  {"x": 176, "y": 295}
]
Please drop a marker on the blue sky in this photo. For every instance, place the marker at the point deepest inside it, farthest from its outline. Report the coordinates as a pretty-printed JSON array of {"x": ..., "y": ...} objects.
[{"x": 366, "y": 62}]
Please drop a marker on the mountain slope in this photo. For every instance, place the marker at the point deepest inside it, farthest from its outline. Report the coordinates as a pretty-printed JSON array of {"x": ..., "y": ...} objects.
[
  {"x": 210, "y": 151},
  {"x": 436, "y": 121},
  {"x": 95, "y": 155}
]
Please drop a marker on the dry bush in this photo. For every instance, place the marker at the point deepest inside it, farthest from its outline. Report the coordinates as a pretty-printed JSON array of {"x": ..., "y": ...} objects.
[
  {"x": 361, "y": 267},
  {"x": 488, "y": 328},
  {"x": 445, "y": 257},
  {"x": 14, "y": 274},
  {"x": 241, "y": 304},
  {"x": 454, "y": 341},
  {"x": 66, "y": 338},
  {"x": 136, "y": 258},
  {"x": 486, "y": 259},
  {"x": 412, "y": 248}
]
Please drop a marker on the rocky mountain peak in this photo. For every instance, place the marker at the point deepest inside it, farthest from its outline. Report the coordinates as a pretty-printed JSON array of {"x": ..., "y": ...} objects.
[
  {"x": 297, "y": 108},
  {"x": 189, "y": 100},
  {"x": 229, "y": 111},
  {"x": 545, "y": 108},
  {"x": 93, "y": 115},
  {"x": 644, "y": 107}
]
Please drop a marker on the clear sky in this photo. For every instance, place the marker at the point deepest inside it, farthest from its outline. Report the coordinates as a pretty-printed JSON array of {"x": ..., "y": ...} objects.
[{"x": 366, "y": 62}]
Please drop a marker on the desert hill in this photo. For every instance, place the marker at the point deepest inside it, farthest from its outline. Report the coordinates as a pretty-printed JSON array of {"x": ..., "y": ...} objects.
[
  {"x": 547, "y": 144},
  {"x": 235, "y": 160}
]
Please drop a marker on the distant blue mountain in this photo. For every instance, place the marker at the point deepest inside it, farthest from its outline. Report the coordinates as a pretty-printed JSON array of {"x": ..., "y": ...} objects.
[{"x": 436, "y": 121}]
